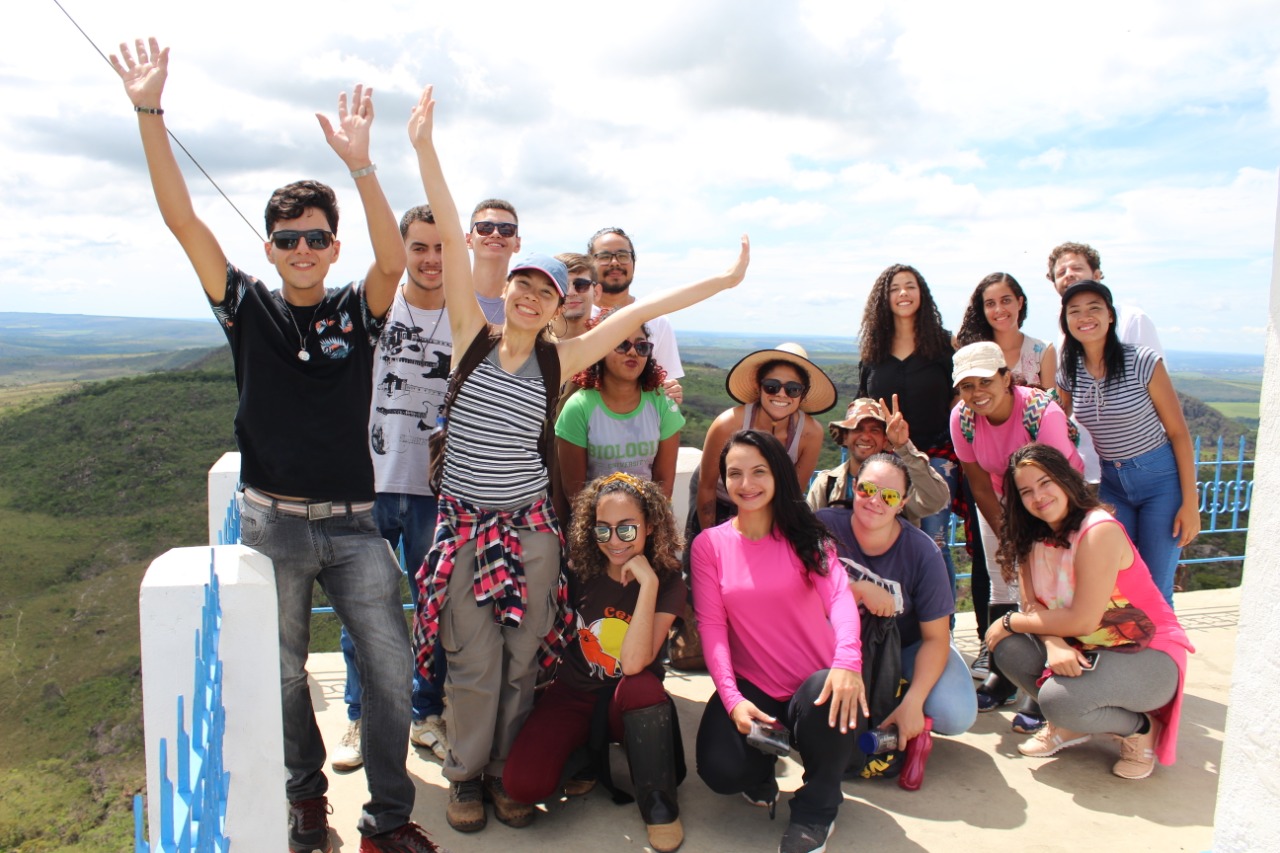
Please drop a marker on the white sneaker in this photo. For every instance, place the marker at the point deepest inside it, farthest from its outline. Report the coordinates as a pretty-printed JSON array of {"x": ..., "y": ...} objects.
[
  {"x": 431, "y": 734},
  {"x": 348, "y": 756}
]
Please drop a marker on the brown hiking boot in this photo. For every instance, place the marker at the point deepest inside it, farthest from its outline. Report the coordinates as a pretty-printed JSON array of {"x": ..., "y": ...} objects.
[
  {"x": 511, "y": 812},
  {"x": 466, "y": 806}
]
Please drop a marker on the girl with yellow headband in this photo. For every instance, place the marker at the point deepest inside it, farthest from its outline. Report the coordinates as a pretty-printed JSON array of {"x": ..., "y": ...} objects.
[{"x": 628, "y": 591}]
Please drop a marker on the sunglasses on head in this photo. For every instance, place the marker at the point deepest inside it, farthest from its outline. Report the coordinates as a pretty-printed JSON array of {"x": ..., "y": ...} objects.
[
  {"x": 582, "y": 285},
  {"x": 643, "y": 348},
  {"x": 316, "y": 239},
  {"x": 505, "y": 229},
  {"x": 626, "y": 532},
  {"x": 774, "y": 386},
  {"x": 891, "y": 497}
]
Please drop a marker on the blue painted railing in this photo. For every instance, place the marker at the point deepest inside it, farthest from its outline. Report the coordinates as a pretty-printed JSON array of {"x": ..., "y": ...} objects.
[
  {"x": 193, "y": 812},
  {"x": 1222, "y": 500}
]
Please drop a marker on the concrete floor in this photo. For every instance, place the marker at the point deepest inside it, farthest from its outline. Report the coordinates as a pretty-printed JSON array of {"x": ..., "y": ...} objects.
[{"x": 979, "y": 792}]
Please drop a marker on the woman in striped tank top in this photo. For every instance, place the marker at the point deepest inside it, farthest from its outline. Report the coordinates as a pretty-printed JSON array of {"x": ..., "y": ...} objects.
[
  {"x": 491, "y": 590},
  {"x": 1124, "y": 397}
]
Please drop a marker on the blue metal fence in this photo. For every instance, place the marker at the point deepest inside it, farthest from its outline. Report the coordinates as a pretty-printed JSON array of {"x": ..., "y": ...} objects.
[
  {"x": 193, "y": 809},
  {"x": 1222, "y": 503}
]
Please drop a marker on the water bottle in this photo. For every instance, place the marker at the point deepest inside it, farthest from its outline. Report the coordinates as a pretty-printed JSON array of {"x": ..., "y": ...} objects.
[
  {"x": 878, "y": 741},
  {"x": 917, "y": 755}
]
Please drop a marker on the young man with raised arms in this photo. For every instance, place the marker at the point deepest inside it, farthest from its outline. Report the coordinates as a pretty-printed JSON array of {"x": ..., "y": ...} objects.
[{"x": 304, "y": 364}]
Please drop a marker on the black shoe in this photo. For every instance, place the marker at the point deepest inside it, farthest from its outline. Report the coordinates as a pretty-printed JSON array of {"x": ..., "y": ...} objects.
[
  {"x": 806, "y": 838},
  {"x": 765, "y": 795},
  {"x": 309, "y": 826}
]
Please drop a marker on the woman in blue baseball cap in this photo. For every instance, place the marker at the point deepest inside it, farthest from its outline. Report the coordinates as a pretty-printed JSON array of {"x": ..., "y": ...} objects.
[{"x": 491, "y": 590}]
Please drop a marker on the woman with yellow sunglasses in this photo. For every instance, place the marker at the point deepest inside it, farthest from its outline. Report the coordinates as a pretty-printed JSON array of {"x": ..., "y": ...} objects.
[{"x": 895, "y": 569}]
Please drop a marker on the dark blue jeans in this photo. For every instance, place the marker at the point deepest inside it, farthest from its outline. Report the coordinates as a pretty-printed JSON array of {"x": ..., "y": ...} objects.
[
  {"x": 1147, "y": 495},
  {"x": 408, "y": 521},
  {"x": 358, "y": 572}
]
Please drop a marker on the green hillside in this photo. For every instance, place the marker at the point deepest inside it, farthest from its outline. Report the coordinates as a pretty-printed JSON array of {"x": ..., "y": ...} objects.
[{"x": 93, "y": 485}]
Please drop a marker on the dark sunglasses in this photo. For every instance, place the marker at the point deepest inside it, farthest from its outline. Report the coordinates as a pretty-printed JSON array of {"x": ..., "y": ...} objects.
[
  {"x": 582, "y": 285},
  {"x": 891, "y": 497},
  {"x": 626, "y": 532},
  {"x": 316, "y": 239},
  {"x": 774, "y": 386},
  {"x": 505, "y": 229},
  {"x": 644, "y": 349}
]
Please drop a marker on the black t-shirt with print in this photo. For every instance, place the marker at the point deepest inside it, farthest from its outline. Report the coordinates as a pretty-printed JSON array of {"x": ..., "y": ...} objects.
[
  {"x": 302, "y": 425},
  {"x": 604, "y": 607}
]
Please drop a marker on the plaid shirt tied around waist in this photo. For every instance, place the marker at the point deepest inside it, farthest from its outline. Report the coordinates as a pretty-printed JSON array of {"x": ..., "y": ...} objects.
[{"x": 498, "y": 577}]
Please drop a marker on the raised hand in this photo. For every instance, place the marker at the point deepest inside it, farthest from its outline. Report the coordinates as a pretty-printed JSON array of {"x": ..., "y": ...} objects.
[
  {"x": 421, "y": 119},
  {"x": 144, "y": 77},
  {"x": 738, "y": 271},
  {"x": 351, "y": 140},
  {"x": 895, "y": 428}
]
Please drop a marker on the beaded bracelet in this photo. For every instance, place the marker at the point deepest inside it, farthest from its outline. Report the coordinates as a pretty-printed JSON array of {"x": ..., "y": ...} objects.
[
  {"x": 151, "y": 111},
  {"x": 1008, "y": 625}
]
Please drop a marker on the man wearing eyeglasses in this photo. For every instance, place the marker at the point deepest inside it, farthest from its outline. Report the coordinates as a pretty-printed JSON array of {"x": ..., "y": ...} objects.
[
  {"x": 865, "y": 431},
  {"x": 304, "y": 365},
  {"x": 614, "y": 259},
  {"x": 494, "y": 237}
]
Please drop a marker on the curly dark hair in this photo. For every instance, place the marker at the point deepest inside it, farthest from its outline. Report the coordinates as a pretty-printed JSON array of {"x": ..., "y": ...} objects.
[
  {"x": 663, "y": 544},
  {"x": 792, "y": 517},
  {"x": 875, "y": 340},
  {"x": 650, "y": 379},
  {"x": 1084, "y": 250},
  {"x": 1022, "y": 530},
  {"x": 292, "y": 201},
  {"x": 974, "y": 327}
]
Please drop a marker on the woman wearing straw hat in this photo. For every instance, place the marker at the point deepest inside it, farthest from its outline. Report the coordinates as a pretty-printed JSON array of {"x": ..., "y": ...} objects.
[{"x": 778, "y": 389}]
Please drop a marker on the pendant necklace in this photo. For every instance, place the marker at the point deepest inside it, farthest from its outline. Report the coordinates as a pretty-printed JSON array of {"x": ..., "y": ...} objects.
[
  {"x": 414, "y": 320},
  {"x": 303, "y": 355}
]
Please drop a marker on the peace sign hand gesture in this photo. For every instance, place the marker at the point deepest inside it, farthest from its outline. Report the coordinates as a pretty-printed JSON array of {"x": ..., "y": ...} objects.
[{"x": 896, "y": 428}]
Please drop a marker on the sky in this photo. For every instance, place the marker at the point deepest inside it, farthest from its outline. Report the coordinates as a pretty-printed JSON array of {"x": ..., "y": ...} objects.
[{"x": 963, "y": 139}]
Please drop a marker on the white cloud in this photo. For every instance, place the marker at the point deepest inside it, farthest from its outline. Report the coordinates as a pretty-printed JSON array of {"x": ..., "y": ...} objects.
[{"x": 844, "y": 137}]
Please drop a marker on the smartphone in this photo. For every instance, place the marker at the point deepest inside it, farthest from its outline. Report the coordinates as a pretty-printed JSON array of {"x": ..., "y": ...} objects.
[
  {"x": 772, "y": 738},
  {"x": 1091, "y": 660}
]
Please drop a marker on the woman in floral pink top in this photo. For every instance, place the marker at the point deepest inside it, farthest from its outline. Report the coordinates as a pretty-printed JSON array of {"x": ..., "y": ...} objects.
[{"x": 1095, "y": 640}]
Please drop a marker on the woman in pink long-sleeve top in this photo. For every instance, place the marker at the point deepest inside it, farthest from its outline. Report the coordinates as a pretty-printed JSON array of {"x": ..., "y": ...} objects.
[{"x": 781, "y": 636}]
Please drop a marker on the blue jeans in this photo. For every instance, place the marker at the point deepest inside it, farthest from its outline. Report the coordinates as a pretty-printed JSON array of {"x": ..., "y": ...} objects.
[
  {"x": 938, "y": 525},
  {"x": 410, "y": 522},
  {"x": 951, "y": 703},
  {"x": 1147, "y": 495},
  {"x": 358, "y": 572}
]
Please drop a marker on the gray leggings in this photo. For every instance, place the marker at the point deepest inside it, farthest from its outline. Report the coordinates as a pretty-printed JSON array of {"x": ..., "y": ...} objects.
[{"x": 1109, "y": 698}]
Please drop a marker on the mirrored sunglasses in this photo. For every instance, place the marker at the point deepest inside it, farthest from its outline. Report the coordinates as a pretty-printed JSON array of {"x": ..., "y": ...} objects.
[
  {"x": 891, "y": 497},
  {"x": 626, "y": 532}
]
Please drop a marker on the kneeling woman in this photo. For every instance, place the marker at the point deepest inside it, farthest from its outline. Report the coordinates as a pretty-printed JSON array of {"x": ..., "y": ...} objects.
[
  {"x": 897, "y": 570},
  {"x": 625, "y": 552},
  {"x": 780, "y": 632},
  {"x": 1116, "y": 655}
]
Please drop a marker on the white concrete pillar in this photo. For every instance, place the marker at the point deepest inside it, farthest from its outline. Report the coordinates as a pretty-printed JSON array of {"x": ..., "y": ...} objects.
[
  {"x": 1248, "y": 809},
  {"x": 686, "y": 460},
  {"x": 224, "y": 476},
  {"x": 170, "y": 602}
]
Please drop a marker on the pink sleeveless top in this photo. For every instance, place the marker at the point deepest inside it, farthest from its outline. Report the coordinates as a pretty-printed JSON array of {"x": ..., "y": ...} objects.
[{"x": 1136, "y": 615}]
